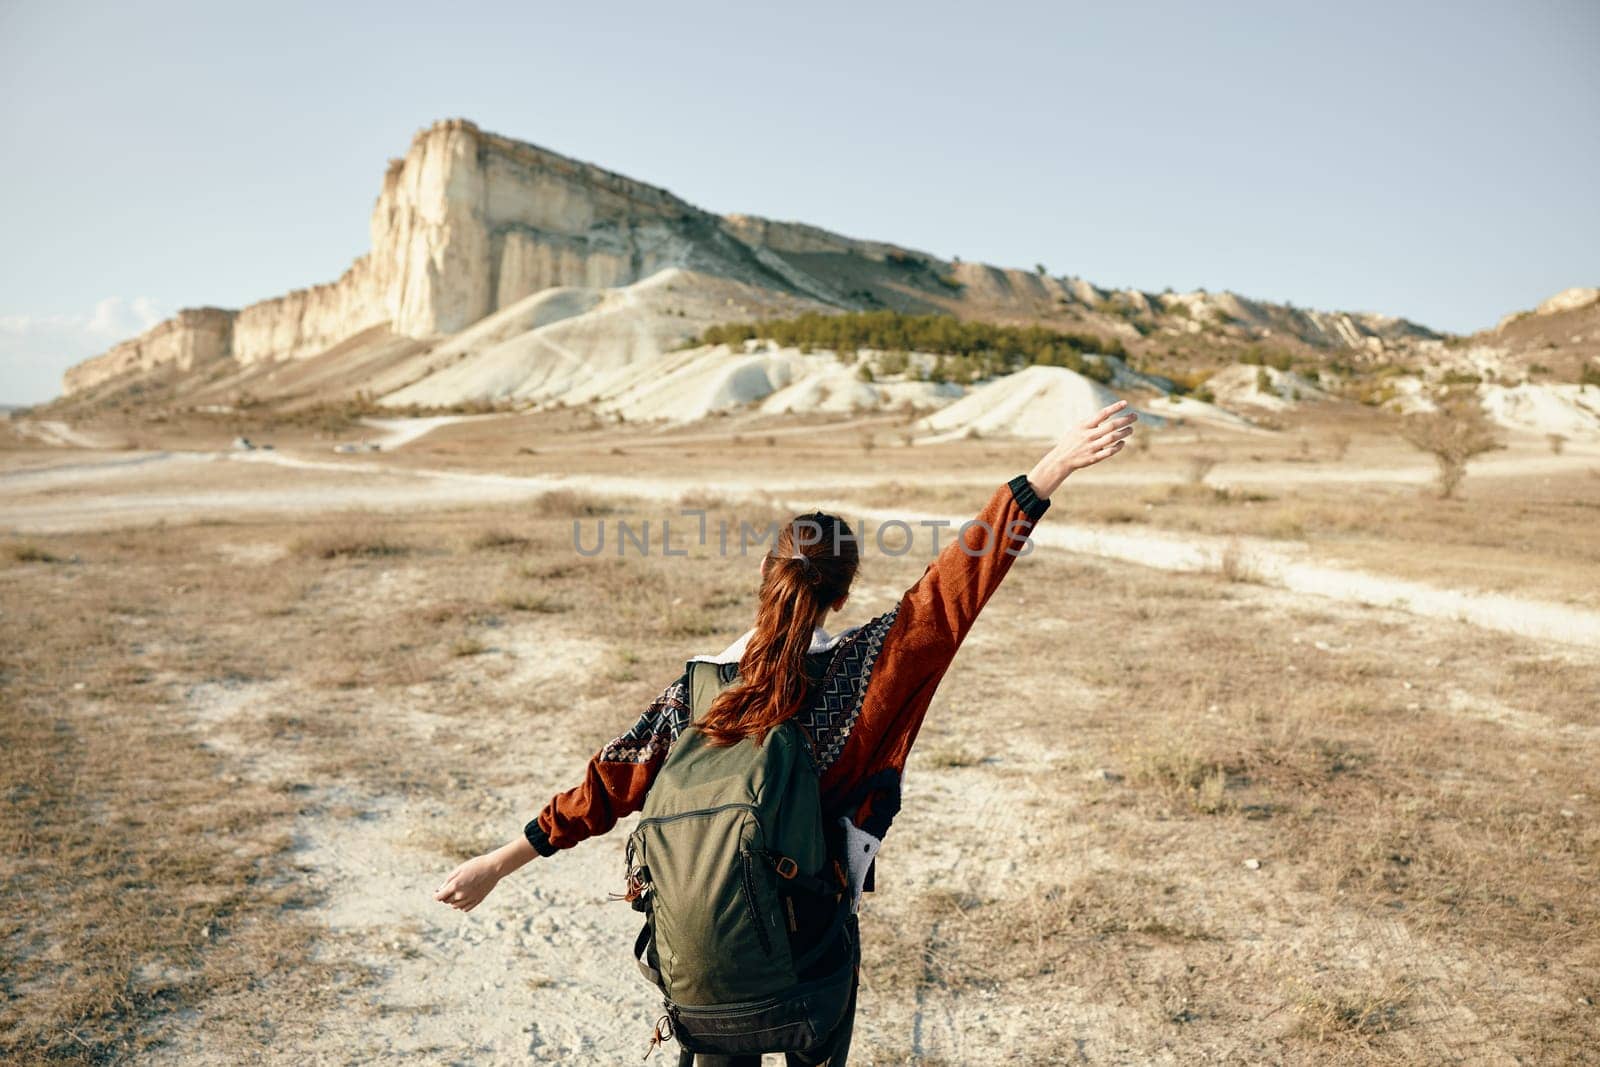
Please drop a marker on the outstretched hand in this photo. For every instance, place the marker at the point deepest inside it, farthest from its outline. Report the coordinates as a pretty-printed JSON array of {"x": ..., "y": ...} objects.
[
  {"x": 1098, "y": 438},
  {"x": 469, "y": 883},
  {"x": 466, "y": 886}
]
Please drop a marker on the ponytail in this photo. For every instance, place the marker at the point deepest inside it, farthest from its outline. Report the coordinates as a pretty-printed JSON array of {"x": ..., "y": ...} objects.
[{"x": 809, "y": 568}]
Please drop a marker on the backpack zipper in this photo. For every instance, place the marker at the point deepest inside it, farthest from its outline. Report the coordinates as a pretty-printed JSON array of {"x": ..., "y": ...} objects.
[
  {"x": 699, "y": 812},
  {"x": 750, "y": 901}
]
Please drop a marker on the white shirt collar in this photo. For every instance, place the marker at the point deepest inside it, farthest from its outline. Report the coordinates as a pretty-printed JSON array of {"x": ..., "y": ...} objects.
[{"x": 821, "y": 641}]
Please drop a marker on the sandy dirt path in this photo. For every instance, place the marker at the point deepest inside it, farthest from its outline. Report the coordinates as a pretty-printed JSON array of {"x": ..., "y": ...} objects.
[
  {"x": 1290, "y": 567},
  {"x": 30, "y": 501},
  {"x": 534, "y": 974}
]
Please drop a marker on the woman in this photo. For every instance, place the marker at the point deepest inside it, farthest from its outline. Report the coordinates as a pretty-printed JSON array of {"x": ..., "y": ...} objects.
[{"x": 860, "y": 695}]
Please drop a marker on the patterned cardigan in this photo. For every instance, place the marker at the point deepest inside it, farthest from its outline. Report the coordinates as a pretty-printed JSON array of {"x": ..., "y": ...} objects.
[{"x": 876, "y": 683}]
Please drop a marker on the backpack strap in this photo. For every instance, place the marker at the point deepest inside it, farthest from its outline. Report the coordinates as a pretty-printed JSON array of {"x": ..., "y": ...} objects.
[
  {"x": 706, "y": 680},
  {"x": 641, "y": 955},
  {"x": 792, "y": 881},
  {"x": 836, "y": 929}
]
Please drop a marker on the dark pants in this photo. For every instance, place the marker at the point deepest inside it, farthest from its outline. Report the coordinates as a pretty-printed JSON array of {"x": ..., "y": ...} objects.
[{"x": 832, "y": 1054}]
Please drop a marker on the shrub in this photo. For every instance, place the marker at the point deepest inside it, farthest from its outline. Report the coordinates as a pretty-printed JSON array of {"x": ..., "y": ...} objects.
[
  {"x": 27, "y": 552},
  {"x": 1263, "y": 356},
  {"x": 893, "y": 362},
  {"x": 1454, "y": 434}
]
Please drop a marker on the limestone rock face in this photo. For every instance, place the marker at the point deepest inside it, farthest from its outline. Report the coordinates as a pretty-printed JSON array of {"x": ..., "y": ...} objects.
[
  {"x": 470, "y": 222},
  {"x": 466, "y": 223},
  {"x": 191, "y": 338},
  {"x": 305, "y": 322}
]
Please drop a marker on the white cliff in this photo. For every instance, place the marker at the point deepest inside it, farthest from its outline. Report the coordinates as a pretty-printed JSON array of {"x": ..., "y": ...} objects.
[
  {"x": 190, "y": 338},
  {"x": 469, "y": 223}
]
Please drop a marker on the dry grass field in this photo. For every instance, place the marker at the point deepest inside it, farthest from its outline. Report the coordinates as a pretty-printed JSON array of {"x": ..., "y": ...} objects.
[{"x": 253, "y": 712}]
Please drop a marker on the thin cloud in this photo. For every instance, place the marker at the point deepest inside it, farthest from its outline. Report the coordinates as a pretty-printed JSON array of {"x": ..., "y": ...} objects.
[{"x": 36, "y": 349}]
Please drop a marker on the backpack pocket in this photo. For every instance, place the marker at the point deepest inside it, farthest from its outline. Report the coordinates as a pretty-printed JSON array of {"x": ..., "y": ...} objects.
[
  {"x": 801, "y": 1021},
  {"x": 759, "y": 916},
  {"x": 718, "y": 928}
]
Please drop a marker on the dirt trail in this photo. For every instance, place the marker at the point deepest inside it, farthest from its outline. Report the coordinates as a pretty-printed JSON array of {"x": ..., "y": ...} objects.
[
  {"x": 1291, "y": 567},
  {"x": 532, "y": 975},
  {"x": 538, "y": 973},
  {"x": 1269, "y": 562}
]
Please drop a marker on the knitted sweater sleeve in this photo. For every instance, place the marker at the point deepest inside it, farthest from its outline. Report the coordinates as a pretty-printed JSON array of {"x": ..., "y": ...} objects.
[{"x": 617, "y": 777}]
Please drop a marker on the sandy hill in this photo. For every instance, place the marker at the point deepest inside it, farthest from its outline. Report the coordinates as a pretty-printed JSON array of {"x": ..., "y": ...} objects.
[{"x": 1557, "y": 339}]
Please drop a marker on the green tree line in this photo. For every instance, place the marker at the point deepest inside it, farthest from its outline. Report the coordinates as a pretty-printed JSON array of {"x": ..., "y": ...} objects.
[{"x": 975, "y": 349}]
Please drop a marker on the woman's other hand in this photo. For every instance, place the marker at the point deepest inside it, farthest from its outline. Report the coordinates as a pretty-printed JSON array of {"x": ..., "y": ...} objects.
[
  {"x": 469, "y": 883},
  {"x": 1099, "y": 437}
]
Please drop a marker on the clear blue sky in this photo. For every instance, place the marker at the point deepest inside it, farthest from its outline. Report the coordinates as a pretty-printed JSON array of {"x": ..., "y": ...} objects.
[{"x": 1438, "y": 161}]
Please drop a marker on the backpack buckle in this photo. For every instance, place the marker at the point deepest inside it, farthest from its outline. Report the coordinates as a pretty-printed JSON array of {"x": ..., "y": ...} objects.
[{"x": 786, "y": 867}]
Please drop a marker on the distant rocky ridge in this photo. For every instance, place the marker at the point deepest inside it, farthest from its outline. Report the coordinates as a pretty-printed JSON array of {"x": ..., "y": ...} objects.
[{"x": 470, "y": 223}]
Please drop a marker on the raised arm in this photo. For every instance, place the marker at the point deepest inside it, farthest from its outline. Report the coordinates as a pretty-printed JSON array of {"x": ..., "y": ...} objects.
[
  {"x": 935, "y": 614},
  {"x": 614, "y": 785},
  {"x": 921, "y": 637}
]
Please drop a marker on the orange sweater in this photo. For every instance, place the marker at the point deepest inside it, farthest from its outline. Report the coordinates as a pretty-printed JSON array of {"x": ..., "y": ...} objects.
[{"x": 876, "y": 683}]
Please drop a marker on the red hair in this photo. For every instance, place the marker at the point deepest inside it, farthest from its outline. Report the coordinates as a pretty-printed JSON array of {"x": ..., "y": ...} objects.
[{"x": 809, "y": 568}]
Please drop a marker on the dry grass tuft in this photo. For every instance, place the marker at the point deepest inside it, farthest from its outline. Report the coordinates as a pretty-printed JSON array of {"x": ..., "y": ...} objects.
[
  {"x": 952, "y": 757},
  {"x": 1236, "y": 564},
  {"x": 499, "y": 540},
  {"x": 350, "y": 544},
  {"x": 533, "y": 603},
  {"x": 468, "y": 646},
  {"x": 1188, "y": 778},
  {"x": 571, "y": 504},
  {"x": 28, "y": 552},
  {"x": 1331, "y": 1016}
]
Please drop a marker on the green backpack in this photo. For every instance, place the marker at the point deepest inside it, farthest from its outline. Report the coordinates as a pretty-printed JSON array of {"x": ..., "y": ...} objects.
[{"x": 747, "y": 930}]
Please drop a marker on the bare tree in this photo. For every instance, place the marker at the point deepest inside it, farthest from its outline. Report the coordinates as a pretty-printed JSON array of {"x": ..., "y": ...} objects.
[
  {"x": 1199, "y": 467},
  {"x": 1453, "y": 434}
]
